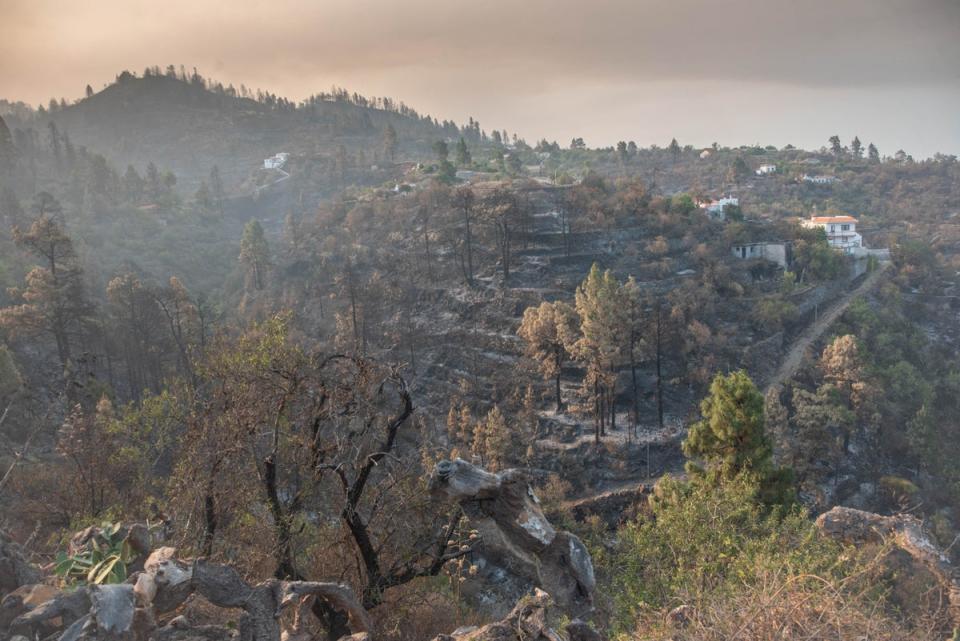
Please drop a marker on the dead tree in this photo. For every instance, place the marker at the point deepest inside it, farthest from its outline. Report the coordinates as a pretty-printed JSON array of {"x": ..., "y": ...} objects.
[{"x": 513, "y": 529}]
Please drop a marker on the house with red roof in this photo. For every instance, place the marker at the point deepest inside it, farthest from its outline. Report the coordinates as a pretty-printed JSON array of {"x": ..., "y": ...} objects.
[{"x": 841, "y": 231}]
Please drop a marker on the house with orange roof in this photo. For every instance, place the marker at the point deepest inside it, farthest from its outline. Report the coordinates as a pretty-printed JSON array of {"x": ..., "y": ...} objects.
[{"x": 841, "y": 231}]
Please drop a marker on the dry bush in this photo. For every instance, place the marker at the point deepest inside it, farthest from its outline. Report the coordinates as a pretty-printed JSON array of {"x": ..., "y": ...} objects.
[
  {"x": 804, "y": 607},
  {"x": 41, "y": 497},
  {"x": 552, "y": 493},
  {"x": 422, "y": 610}
]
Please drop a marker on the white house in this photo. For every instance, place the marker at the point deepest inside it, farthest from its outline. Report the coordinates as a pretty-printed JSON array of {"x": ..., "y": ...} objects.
[
  {"x": 819, "y": 180},
  {"x": 774, "y": 252},
  {"x": 841, "y": 231},
  {"x": 715, "y": 208},
  {"x": 766, "y": 170},
  {"x": 705, "y": 154},
  {"x": 277, "y": 161}
]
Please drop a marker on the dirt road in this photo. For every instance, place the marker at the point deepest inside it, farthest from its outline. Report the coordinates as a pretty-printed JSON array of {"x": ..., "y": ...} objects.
[{"x": 794, "y": 357}]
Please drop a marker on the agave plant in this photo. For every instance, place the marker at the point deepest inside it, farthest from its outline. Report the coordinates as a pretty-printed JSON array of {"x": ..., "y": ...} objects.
[{"x": 103, "y": 559}]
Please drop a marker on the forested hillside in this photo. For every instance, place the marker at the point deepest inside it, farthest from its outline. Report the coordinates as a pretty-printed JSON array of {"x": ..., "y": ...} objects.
[
  {"x": 188, "y": 124},
  {"x": 413, "y": 371}
]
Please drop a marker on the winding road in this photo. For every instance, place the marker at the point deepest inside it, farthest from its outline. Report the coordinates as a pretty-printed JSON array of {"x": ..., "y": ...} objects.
[
  {"x": 788, "y": 367},
  {"x": 794, "y": 357}
]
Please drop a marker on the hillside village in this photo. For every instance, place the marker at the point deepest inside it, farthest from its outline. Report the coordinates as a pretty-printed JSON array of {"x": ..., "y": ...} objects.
[{"x": 224, "y": 312}]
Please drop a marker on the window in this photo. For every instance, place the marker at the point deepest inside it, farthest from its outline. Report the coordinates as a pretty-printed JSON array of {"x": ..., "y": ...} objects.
[{"x": 844, "y": 227}]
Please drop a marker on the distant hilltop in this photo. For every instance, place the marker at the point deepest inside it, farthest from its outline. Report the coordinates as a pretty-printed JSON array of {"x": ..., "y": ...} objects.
[{"x": 188, "y": 123}]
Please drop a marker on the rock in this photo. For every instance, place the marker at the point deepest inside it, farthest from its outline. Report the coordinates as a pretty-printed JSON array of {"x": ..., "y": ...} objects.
[
  {"x": 194, "y": 633},
  {"x": 513, "y": 529},
  {"x": 112, "y": 608},
  {"x": 15, "y": 569},
  {"x": 464, "y": 629},
  {"x": 680, "y": 616},
  {"x": 857, "y": 527},
  {"x": 24, "y": 599},
  {"x": 578, "y": 630},
  {"x": 526, "y": 622}
]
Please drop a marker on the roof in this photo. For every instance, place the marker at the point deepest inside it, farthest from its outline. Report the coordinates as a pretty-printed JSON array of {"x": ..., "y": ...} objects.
[{"x": 832, "y": 219}]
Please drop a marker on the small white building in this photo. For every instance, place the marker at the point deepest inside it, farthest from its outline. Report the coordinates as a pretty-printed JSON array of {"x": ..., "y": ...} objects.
[
  {"x": 819, "y": 180},
  {"x": 715, "y": 208},
  {"x": 706, "y": 153},
  {"x": 766, "y": 170},
  {"x": 773, "y": 251},
  {"x": 841, "y": 231},
  {"x": 276, "y": 161}
]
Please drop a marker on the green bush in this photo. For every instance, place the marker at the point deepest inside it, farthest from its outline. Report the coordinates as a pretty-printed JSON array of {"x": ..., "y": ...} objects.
[
  {"x": 707, "y": 539},
  {"x": 747, "y": 573},
  {"x": 103, "y": 559}
]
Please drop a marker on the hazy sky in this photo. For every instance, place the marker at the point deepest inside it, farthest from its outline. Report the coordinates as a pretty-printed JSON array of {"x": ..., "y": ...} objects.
[{"x": 730, "y": 71}]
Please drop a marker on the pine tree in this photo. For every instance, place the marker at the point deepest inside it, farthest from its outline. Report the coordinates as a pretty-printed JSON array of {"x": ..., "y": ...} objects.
[
  {"x": 547, "y": 331},
  {"x": 674, "y": 149},
  {"x": 491, "y": 440},
  {"x": 599, "y": 304},
  {"x": 54, "y": 301},
  {"x": 873, "y": 154},
  {"x": 453, "y": 422},
  {"x": 132, "y": 185},
  {"x": 856, "y": 148},
  {"x": 835, "y": 145},
  {"x": 154, "y": 183},
  {"x": 739, "y": 170},
  {"x": 202, "y": 196},
  {"x": 529, "y": 421},
  {"x": 11, "y": 212},
  {"x": 54, "y": 140},
  {"x": 7, "y": 151},
  {"x": 465, "y": 425},
  {"x": 463, "y": 154},
  {"x": 255, "y": 252},
  {"x": 390, "y": 142},
  {"x": 622, "y": 154},
  {"x": 216, "y": 189},
  {"x": 730, "y": 438},
  {"x": 10, "y": 380}
]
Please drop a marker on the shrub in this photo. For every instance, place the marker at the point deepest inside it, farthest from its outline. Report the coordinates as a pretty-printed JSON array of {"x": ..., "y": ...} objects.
[{"x": 745, "y": 573}]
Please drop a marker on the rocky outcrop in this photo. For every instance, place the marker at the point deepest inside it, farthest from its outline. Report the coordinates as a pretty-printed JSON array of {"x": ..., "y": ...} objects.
[
  {"x": 526, "y": 622},
  {"x": 903, "y": 530},
  {"x": 128, "y": 611},
  {"x": 15, "y": 569},
  {"x": 502, "y": 508},
  {"x": 515, "y": 532}
]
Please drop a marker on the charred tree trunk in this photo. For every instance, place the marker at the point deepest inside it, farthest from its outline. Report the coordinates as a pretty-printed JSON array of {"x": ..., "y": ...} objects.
[
  {"x": 633, "y": 383},
  {"x": 468, "y": 244},
  {"x": 558, "y": 356},
  {"x": 659, "y": 342}
]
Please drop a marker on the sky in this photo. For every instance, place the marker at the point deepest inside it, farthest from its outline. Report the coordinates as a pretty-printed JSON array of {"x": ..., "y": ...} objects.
[{"x": 703, "y": 71}]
